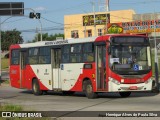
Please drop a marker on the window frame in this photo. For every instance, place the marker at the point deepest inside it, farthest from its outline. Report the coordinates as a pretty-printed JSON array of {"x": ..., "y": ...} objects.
[
  {"x": 76, "y": 53},
  {"x": 86, "y": 52},
  {"x": 74, "y": 34},
  {"x": 99, "y": 32},
  {"x": 62, "y": 54},
  {"x": 46, "y": 55},
  {"x": 37, "y": 57},
  {"x": 11, "y": 62},
  {"x": 33, "y": 56}
]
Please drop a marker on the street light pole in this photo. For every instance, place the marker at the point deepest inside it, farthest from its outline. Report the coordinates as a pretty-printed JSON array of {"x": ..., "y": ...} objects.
[
  {"x": 0, "y": 34},
  {"x": 38, "y": 20},
  {"x": 35, "y": 14},
  {"x": 41, "y": 29}
]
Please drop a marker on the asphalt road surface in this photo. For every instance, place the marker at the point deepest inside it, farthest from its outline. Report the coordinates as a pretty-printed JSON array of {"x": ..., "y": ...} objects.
[{"x": 56, "y": 101}]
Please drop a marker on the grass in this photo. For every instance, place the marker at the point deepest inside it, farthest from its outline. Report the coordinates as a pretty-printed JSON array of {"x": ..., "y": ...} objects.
[
  {"x": 4, "y": 81},
  {"x": 10, "y": 108},
  {"x": 5, "y": 63}
]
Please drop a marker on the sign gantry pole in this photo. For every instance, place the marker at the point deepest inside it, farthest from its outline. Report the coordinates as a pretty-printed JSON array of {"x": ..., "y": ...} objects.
[{"x": 14, "y": 9}]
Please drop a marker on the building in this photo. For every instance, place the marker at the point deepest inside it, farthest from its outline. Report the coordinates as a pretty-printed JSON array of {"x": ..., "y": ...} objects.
[{"x": 82, "y": 25}]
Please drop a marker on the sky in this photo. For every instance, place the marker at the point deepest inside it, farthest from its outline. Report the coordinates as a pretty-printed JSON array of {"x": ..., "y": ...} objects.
[{"x": 53, "y": 11}]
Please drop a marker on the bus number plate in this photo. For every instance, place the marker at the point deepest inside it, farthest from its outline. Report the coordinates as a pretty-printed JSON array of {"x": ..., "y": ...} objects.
[{"x": 133, "y": 87}]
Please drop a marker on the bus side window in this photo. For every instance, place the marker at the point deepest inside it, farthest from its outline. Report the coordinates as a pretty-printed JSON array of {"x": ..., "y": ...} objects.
[
  {"x": 33, "y": 55},
  {"x": 44, "y": 55},
  {"x": 76, "y": 53},
  {"x": 88, "y": 57},
  {"x": 15, "y": 57},
  {"x": 65, "y": 53},
  {"x": 88, "y": 54},
  {"x": 73, "y": 58}
]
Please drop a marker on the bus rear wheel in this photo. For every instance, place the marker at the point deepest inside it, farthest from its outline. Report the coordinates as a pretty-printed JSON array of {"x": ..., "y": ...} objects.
[
  {"x": 89, "y": 90},
  {"x": 36, "y": 88},
  {"x": 124, "y": 94}
]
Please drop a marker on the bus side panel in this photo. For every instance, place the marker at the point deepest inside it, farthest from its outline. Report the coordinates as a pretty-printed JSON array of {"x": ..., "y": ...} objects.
[
  {"x": 43, "y": 74},
  {"x": 15, "y": 76},
  {"x": 70, "y": 74},
  {"x": 31, "y": 74},
  {"x": 86, "y": 73}
]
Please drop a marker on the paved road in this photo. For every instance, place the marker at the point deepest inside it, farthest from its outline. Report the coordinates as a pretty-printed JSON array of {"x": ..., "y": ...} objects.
[{"x": 78, "y": 102}]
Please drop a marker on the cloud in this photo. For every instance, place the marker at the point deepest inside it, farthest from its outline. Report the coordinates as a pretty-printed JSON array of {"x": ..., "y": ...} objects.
[{"x": 40, "y": 8}]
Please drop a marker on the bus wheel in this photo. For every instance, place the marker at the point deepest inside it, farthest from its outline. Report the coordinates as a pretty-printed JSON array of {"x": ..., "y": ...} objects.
[
  {"x": 124, "y": 94},
  {"x": 89, "y": 90},
  {"x": 35, "y": 88}
]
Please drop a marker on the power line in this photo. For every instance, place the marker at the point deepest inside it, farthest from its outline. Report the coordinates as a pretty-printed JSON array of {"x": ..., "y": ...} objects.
[
  {"x": 58, "y": 22},
  {"x": 52, "y": 21},
  {"x": 15, "y": 20},
  {"x": 44, "y": 29}
]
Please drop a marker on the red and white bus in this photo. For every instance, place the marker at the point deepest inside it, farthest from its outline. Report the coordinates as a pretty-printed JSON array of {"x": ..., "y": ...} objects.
[{"x": 110, "y": 63}]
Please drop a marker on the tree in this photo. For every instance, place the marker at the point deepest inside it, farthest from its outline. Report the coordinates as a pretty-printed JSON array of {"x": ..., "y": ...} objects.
[
  {"x": 47, "y": 37},
  {"x": 10, "y": 37}
]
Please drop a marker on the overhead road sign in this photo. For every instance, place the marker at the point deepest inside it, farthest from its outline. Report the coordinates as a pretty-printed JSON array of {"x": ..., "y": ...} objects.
[{"x": 11, "y": 8}]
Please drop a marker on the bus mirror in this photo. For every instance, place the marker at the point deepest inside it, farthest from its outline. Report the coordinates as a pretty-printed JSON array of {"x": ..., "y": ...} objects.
[{"x": 109, "y": 50}]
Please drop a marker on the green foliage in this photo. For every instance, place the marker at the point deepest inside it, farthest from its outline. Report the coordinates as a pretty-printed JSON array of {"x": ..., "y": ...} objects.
[
  {"x": 46, "y": 37},
  {"x": 10, "y": 37},
  {"x": 6, "y": 82},
  {"x": 10, "y": 108},
  {"x": 5, "y": 63}
]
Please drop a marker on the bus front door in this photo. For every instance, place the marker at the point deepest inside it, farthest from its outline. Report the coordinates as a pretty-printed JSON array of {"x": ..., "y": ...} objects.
[
  {"x": 22, "y": 69},
  {"x": 56, "y": 59},
  {"x": 101, "y": 67}
]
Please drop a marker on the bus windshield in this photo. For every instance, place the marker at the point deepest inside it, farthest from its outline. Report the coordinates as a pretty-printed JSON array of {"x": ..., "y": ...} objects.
[{"x": 130, "y": 59}]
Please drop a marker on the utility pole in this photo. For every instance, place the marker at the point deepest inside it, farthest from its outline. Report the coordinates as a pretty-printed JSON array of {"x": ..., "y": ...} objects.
[
  {"x": 107, "y": 10},
  {"x": 107, "y": 5},
  {"x": 93, "y": 5},
  {"x": 35, "y": 15},
  {"x": 106, "y": 24},
  {"x": 85, "y": 31},
  {"x": 156, "y": 58},
  {"x": 37, "y": 33}
]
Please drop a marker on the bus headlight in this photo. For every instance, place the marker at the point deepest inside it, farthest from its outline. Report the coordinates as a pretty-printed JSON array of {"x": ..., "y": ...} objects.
[
  {"x": 149, "y": 80},
  {"x": 114, "y": 81}
]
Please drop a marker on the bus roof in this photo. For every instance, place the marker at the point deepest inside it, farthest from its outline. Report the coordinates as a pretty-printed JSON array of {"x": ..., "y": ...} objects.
[{"x": 68, "y": 41}]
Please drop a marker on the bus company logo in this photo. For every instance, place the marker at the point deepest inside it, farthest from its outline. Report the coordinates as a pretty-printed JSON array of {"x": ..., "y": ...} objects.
[
  {"x": 19, "y": 114},
  {"x": 6, "y": 114},
  {"x": 14, "y": 72},
  {"x": 56, "y": 42}
]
